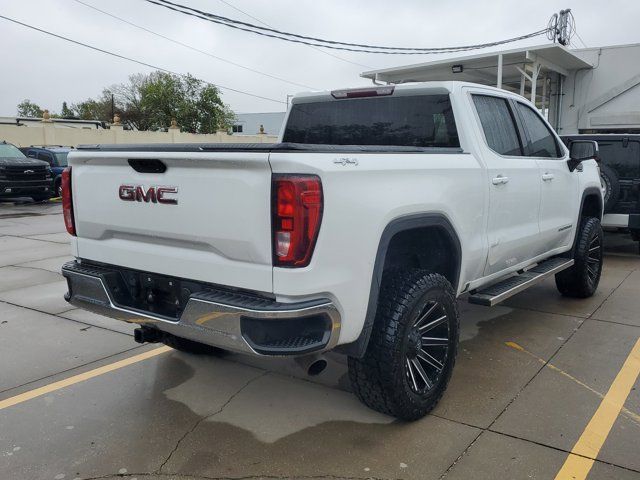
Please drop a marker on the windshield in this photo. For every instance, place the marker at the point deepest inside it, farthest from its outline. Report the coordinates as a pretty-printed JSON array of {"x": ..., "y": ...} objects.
[
  {"x": 416, "y": 121},
  {"x": 61, "y": 158},
  {"x": 9, "y": 151}
]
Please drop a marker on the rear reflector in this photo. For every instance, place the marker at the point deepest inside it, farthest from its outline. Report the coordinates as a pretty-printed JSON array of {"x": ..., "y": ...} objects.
[
  {"x": 67, "y": 201},
  {"x": 297, "y": 214},
  {"x": 364, "y": 92}
]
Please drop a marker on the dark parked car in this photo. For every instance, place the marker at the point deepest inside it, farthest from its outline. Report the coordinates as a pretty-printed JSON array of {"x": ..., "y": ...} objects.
[
  {"x": 620, "y": 175},
  {"x": 56, "y": 157},
  {"x": 23, "y": 177}
]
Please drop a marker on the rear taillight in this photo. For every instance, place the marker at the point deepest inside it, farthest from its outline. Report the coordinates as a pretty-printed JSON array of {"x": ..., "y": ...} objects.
[
  {"x": 297, "y": 214},
  {"x": 67, "y": 202}
]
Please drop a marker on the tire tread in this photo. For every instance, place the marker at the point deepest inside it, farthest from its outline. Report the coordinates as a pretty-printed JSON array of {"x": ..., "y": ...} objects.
[
  {"x": 573, "y": 282},
  {"x": 373, "y": 377}
]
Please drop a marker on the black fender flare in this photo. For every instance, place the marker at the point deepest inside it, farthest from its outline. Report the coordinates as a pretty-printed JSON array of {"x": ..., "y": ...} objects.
[
  {"x": 400, "y": 224},
  {"x": 587, "y": 191}
]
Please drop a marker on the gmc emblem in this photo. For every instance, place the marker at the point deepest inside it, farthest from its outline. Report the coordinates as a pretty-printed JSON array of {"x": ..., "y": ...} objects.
[{"x": 138, "y": 193}]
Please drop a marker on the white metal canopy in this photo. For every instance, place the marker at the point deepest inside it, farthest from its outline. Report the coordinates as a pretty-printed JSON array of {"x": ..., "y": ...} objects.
[{"x": 524, "y": 70}]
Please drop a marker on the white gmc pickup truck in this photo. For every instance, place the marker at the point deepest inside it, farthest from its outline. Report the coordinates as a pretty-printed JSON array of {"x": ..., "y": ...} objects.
[{"x": 355, "y": 233}]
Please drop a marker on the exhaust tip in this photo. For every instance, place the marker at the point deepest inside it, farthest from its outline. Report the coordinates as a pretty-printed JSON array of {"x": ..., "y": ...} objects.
[{"x": 317, "y": 367}]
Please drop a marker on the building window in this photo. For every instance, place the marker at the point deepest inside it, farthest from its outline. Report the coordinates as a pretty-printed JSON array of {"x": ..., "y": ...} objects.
[{"x": 236, "y": 129}]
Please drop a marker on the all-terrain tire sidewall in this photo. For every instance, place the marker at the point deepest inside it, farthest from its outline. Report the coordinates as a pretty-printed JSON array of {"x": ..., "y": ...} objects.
[
  {"x": 575, "y": 281},
  {"x": 379, "y": 378},
  {"x": 611, "y": 182}
]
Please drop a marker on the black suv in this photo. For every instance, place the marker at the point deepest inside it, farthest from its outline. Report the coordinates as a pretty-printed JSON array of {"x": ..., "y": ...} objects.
[
  {"x": 620, "y": 175},
  {"x": 23, "y": 177}
]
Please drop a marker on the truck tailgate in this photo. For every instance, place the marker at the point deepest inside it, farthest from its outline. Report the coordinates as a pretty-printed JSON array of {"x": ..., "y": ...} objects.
[{"x": 219, "y": 231}]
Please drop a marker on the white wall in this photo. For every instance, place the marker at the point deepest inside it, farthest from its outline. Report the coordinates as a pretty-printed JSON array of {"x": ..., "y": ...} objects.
[
  {"x": 47, "y": 134},
  {"x": 606, "y": 97}
]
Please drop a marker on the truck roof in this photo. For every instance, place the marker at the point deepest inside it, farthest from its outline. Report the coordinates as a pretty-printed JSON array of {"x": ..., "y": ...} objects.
[{"x": 409, "y": 88}]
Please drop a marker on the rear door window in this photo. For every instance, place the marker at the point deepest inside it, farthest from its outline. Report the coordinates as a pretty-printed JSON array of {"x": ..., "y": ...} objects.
[
  {"x": 625, "y": 160},
  {"x": 61, "y": 159},
  {"x": 45, "y": 156},
  {"x": 542, "y": 142},
  {"x": 411, "y": 121},
  {"x": 498, "y": 125}
]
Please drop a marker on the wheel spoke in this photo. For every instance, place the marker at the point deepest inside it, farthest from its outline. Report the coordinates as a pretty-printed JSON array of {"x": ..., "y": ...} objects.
[
  {"x": 412, "y": 376},
  {"x": 430, "y": 360},
  {"x": 426, "y": 315},
  {"x": 593, "y": 260},
  {"x": 432, "y": 324},
  {"x": 591, "y": 271},
  {"x": 434, "y": 342},
  {"x": 594, "y": 249},
  {"x": 422, "y": 373}
]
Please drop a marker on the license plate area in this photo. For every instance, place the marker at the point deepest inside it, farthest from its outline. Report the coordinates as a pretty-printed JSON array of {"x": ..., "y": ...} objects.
[{"x": 151, "y": 293}]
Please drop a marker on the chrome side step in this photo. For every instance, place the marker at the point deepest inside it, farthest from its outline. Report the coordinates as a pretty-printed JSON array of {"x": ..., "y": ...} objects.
[{"x": 500, "y": 291}]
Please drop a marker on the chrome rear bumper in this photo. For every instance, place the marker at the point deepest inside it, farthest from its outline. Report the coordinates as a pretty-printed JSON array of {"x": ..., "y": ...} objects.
[{"x": 231, "y": 321}]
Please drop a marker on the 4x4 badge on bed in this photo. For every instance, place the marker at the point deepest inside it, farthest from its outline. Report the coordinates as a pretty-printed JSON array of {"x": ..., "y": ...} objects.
[
  {"x": 344, "y": 161},
  {"x": 153, "y": 194}
]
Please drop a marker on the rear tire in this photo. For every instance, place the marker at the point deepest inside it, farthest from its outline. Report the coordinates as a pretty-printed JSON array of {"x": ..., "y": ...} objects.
[
  {"x": 581, "y": 280},
  {"x": 611, "y": 187},
  {"x": 412, "y": 349},
  {"x": 189, "y": 346}
]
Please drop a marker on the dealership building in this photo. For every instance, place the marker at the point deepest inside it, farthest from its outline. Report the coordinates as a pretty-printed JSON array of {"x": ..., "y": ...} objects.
[{"x": 591, "y": 90}]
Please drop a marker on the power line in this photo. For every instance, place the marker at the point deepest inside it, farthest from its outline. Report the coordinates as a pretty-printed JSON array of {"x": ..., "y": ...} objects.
[
  {"x": 192, "y": 47},
  {"x": 333, "y": 44},
  {"x": 245, "y": 13},
  {"x": 315, "y": 48},
  {"x": 580, "y": 38},
  {"x": 139, "y": 62}
]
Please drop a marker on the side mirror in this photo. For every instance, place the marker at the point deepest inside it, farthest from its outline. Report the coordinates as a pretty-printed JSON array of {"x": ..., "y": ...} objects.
[{"x": 581, "y": 150}]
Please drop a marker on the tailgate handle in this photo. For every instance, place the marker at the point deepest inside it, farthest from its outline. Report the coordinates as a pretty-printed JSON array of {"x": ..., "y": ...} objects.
[{"x": 144, "y": 165}]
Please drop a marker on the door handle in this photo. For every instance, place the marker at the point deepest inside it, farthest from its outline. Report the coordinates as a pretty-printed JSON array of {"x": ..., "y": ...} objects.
[
  {"x": 500, "y": 180},
  {"x": 547, "y": 177}
]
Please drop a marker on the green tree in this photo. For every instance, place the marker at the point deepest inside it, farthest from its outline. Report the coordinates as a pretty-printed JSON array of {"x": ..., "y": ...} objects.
[
  {"x": 66, "y": 112},
  {"x": 196, "y": 106},
  {"x": 27, "y": 108},
  {"x": 151, "y": 101},
  {"x": 94, "y": 109}
]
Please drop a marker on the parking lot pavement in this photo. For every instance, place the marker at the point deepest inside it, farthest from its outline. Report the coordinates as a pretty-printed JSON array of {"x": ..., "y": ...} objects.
[{"x": 536, "y": 379}]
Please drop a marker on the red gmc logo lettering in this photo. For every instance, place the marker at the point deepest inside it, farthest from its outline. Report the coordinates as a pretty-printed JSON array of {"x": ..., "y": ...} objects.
[{"x": 140, "y": 193}]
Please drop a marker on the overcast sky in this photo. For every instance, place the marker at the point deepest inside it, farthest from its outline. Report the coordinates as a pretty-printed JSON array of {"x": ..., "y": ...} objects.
[{"x": 49, "y": 71}]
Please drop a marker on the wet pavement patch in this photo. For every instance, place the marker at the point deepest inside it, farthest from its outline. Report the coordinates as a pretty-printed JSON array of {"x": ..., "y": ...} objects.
[
  {"x": 529, "y": 377},
  {"x": 342, "y": 449}
]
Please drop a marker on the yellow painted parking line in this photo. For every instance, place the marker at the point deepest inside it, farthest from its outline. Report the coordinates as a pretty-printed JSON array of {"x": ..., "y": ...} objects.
[
  {"x": 634, "y": 417},
  {"x": 52, "y": 387},
  {"x": 578, "y": 465}
]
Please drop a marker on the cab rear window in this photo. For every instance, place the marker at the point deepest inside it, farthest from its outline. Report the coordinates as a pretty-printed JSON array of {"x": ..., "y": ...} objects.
[{"x": 412, "y": 121}]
